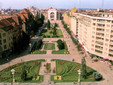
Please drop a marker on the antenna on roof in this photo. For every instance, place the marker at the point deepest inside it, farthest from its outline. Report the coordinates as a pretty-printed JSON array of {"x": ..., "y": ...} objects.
[
  {"x": 79, "y": 5},
  {"x": 102, "y": 4}
]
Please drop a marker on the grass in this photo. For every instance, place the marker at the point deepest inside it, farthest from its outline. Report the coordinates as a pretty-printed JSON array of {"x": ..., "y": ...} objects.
[
  {"x": 69, "y": 72},
  {"x": 49, "y": 34},
  {"x": 49, "y": 46},
  {"x": 32, "y": 68},
  {"x": 38, "y": 52},
  {"x": 60, "y": 52},
  {"x": 63, "y": 51}
]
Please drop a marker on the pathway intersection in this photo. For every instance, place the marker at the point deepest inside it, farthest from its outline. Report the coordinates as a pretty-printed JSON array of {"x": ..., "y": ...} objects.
[{"x": 74, "y": 54}]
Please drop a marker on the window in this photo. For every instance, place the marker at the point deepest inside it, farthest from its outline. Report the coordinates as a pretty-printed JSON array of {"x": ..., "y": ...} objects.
[
  {"x": 108, "y": 25},
  {"x": 4, "y": 34},
  {"x": 106, "y": 44},
  {"x": 107, "y": 39},
  {"x": 102, "y": 25},
  {"x": 107, "y": 35},
  {"x": 108, "y": 20},
  {"x": 4, "y": 41},
  {"x": 99, "y": 47},
  {"x": 94, "y": 24},
  {"x": 93, "y": 37},
  {"x": 98, "y": 51},
  {"x": 92, "y": 44},
  {"x": 5, "y": 47},
  {"x": 107, "y": 30},
  {"x": 92, "y": 40},
  {"x": 100, "y": 29},
  {"x": 100, "y": 20}
]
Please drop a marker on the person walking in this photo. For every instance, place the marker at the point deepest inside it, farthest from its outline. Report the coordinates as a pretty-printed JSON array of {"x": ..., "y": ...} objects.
[{"x": 110, "y": 66}]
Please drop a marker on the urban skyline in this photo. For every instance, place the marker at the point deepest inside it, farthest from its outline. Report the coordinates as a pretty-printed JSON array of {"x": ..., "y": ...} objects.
[{"x": 64, "y": 4}]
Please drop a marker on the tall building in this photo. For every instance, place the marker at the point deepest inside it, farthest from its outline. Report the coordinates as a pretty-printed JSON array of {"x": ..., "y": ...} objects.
[{"x": 95, "y": 32}]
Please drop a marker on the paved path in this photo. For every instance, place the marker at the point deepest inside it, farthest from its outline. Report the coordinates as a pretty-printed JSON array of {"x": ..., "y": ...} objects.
[{"x": 99, "y": 66}]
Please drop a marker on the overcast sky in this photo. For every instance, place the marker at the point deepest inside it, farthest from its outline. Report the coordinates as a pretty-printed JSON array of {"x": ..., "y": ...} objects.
[{"x": 20, "y": 4}]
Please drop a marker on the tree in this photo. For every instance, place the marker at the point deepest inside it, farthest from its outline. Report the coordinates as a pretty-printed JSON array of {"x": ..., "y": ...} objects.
[
  {"x": 54, "y": 31},
  {"x": 56, "y": 25},
  {"x": 83, "y": 68},
  {"x": 48, "y": 24},
  {"x": 101, "y": 10},
  {"x": 24, "y": 74},
  {"x": 60, "y": 44}
]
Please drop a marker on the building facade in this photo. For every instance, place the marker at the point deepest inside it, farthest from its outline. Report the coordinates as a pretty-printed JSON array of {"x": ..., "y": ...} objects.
[{"x": 95, "y": 32}]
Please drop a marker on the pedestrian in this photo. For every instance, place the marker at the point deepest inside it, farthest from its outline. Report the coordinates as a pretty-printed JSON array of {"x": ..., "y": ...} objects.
[
  {"x": 110, "y": 66},
  {"x": 73, "y": 59}
]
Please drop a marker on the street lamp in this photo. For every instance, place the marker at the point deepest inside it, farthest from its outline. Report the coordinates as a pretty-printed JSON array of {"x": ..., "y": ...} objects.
[
  {"x": 29, "y": 44},
  {"x": 13, "y": 72},
  {"x": 79, "y": 73}
]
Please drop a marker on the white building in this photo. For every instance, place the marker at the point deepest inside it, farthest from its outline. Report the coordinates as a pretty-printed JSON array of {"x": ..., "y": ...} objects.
[{"x": 52, "y": 14}]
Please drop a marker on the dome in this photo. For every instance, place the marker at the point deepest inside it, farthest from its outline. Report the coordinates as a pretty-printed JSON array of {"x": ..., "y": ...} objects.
[{"x": 74, "y": 10}]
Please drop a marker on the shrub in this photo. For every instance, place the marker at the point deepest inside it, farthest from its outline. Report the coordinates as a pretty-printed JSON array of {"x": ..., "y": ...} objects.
[
  {"x": 48, "y": 25},
  {"x": 37, "y": 45},
  {"x": 60, "y": 44},
  {"x": 97, "y": 76},
  {"x": 83, "y": 68},
  {"x": 24, "y": 74},
  {"x": 79, "y": 47}
]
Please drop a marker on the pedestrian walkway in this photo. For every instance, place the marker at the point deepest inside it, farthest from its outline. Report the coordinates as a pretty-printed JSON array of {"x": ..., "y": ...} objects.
[{"x": 74, "y": 54}]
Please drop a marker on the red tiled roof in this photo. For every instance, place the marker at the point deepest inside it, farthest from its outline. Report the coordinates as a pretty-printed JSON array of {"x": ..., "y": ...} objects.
[
  {"x": 24, "y": 11},
  {"x": 5, "y": 25},
  {"x": 10, "y": 20},
  {"x": 22, "y": 17},
  {"x": 16, "y": 19}
]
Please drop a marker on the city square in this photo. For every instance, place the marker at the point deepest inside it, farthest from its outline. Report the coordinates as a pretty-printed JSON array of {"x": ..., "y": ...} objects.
[{"x": 56, "y": 47}]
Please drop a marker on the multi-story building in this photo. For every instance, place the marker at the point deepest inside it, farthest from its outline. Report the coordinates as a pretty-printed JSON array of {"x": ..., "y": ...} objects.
[
  {"x": 11, "y": 29},
  {"x": 95, "y": 32},
  {"x": 6, "y": 35}
]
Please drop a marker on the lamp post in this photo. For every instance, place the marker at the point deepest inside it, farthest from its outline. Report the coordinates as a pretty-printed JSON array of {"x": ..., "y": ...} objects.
[
  {"x": 13, "y": 72},
  {"x": 79, "y": 73},
  {"x": 30, "y": 46}
]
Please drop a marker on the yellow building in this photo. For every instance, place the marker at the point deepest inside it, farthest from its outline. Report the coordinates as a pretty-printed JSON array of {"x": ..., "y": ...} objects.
[
  {"x": 5, "y": 38},
  {"x": 67, "y": 16}
]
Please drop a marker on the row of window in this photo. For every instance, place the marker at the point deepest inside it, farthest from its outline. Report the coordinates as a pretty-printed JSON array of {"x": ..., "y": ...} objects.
[{"x": 102, "y": 20}]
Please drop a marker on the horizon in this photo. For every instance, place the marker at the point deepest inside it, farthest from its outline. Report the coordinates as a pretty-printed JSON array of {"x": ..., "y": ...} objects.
[{"x": 64, "y": 4}]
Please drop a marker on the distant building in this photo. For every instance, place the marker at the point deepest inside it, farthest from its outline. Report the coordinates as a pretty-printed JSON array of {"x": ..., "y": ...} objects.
[{"x": 52, "y": 14}]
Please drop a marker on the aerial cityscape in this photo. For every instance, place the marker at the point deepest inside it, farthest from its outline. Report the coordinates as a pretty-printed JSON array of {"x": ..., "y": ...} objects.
[{"x": 56, "y": 42}]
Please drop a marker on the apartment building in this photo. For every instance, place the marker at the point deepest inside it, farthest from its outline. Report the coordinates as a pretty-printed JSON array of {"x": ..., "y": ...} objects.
[
  {"x": 11, "y": 29},
  {"x": 95, "y": 32},
  {"x": 6, "y": 35}
]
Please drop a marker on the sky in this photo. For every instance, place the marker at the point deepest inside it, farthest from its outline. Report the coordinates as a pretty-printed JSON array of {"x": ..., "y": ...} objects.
[{"x": 64, "y": 4}]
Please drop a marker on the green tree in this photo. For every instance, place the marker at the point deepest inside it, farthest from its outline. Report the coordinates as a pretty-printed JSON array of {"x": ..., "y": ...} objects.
[
  {"x": 54, "y": 31},
  {"x": 83, "y": 68},
  {"x": 101, "y": 10},
  {"x": 56, "y": 25},
  {"x": 60, "y": 44},
  {"x": 48, "y": 24}
]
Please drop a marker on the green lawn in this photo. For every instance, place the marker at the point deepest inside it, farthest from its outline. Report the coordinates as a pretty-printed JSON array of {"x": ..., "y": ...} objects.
[
  {"x": 63, "y": 51},
  {"x": 38, "y": 52},
  {"x": 69, "y": 72},
  {"x": 32, "y": 68},
  {"x": 49, "y": 46},
  {"x": 60, "y": 52},
  {"x": 49, "y": 34}
]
